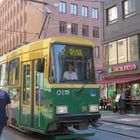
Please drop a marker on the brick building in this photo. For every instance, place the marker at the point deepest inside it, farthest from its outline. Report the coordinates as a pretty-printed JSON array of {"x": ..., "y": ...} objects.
[{"x": 23, "y": 20}]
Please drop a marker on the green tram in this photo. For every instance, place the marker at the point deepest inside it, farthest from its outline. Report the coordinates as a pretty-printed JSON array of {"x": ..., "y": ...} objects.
[{"x": 42, "y": 100}]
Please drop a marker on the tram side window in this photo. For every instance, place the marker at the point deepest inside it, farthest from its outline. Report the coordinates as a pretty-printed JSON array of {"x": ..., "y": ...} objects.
[
  {"x": 26, "y": 84},
  {"x": 52, "y": 70},
  {"x": 4, "y": 74},
  {"x": 39, "y": 87},
  {"x": 13, "y": 72}
]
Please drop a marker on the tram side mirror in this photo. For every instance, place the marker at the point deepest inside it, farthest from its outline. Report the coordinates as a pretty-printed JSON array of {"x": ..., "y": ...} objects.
[{"x": 40, "y": 65}]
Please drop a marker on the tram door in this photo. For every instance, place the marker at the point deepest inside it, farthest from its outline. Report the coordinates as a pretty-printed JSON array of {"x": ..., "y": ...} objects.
[
  {"x": 38, "y": 94},
  {"x": 27, "y": 92}
]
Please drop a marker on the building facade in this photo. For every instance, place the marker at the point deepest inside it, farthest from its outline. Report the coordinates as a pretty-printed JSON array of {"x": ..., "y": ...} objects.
[
  {"x": 16, "y": 24},
  {"x": 23, "y": 20},
  {"x": 121, "y": 48}
]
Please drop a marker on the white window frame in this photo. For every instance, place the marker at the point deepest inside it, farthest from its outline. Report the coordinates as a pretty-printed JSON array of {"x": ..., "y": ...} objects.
[
  {"x": 84, "y": 11},
  {"x": 95, "y": 13},
  {"x": 74, "y": 9},
  {"x": 62, "y": 7}
]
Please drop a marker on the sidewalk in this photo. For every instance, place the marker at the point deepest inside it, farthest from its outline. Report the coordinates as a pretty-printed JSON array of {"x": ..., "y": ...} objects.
[{"x": 126, "y": 119}]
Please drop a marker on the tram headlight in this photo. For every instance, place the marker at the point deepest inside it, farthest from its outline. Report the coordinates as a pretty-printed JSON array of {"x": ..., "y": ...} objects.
[
  {"x": 61, "y": 109},
  {"x": 93, "y": 108}
]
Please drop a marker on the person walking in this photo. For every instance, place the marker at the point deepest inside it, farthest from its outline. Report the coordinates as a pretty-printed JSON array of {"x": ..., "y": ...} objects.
[
  {"x": 5, "y": 105},
  {"x": 122, "y": 101}
]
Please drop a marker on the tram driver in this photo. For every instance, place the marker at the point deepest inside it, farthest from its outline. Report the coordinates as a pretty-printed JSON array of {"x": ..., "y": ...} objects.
[{"x": 70, "y": 74}]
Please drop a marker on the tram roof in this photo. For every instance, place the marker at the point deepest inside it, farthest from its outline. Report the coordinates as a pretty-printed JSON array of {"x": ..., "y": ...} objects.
[{"x": 32, "y": 46}]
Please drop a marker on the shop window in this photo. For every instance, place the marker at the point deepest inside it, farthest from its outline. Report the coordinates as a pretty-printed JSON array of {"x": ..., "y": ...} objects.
[
  {"x": 135, "y": 91},
  {"x": 133, "y": 48},
  {"x": 105, "y": 54},
  {"x": 112, "y": 53},
  {"x": 122, "y": 51}
]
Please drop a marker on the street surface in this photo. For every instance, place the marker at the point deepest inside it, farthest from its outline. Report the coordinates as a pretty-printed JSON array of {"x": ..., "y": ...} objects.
[{"x": 108, "y": 131}]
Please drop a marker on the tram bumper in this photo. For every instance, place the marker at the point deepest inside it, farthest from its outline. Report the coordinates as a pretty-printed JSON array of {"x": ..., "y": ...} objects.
[
  {"x": 71, "y": 118},
  {"x": 79, "y": 122}
]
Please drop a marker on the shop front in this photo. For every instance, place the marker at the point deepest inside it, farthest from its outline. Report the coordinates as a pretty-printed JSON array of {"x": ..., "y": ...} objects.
[{"x": 127, "y": 78}]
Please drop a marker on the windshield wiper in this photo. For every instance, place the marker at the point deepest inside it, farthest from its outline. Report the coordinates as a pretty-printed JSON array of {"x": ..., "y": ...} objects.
[{"x": 81, "y": 88}]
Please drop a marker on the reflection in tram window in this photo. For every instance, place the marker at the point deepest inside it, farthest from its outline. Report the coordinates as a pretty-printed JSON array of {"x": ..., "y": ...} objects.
[
  {"x": 39, "y": 87},
  {"x": 26, "y": 84}
]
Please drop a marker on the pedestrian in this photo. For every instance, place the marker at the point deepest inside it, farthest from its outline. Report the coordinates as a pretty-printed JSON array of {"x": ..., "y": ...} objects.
[
  {"x": 122, "y": 101},
  {"x": 5, "y": 105},
  {"x": 117, "y": 101}
]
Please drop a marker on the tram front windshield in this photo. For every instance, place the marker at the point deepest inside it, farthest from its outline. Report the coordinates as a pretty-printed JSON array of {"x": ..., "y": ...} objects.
[{"x": 71, "y": 64}]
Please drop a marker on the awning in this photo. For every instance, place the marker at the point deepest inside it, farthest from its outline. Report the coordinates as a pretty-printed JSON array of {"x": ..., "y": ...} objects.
[{"x": 120, "y": 80}]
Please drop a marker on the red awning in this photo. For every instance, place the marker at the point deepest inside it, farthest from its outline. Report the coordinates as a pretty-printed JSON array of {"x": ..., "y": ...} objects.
[{"x": 120, "y": 80}]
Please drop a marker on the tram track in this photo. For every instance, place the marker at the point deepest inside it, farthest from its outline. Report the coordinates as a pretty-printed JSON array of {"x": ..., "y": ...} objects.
[{"x": 118, "y": 133}]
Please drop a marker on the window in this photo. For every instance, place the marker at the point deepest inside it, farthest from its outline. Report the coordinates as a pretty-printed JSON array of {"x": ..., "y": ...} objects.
[
  {"x": 96, "y": 32},
  {"x": 112, "y": 15},
  {"x": 13, "y": 72},
  {"x": 112, "y": 53},
  {"x": 122, "y": 51},
  {"x": 135, "y": 91},
  {"x": 105, "y": 54},
  {"x": 62, "y": 7},
  {"x": 4, "y": 74},
  {"x": 26, "y": 84},
  {"x": 96, "y": 52},
  {"x": 133, "y": 48},
  {"x": 62, "y": 27},
  {"x": 84, "y": 11},
  {"x": 39, "y": 86},
  {"x": 85, "y": 30},
  {"x": 74, "y": 9},
  {"x": 95, "y": 13},
  {"x": 129, "y": 8},
  {"x": 77, "y": 59},
  {"x": 74, "y": 29}
]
